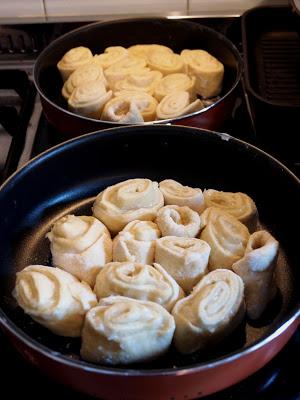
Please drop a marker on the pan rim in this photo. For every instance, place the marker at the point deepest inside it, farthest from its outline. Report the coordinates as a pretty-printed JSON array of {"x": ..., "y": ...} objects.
[
  {"x": 54, "y": 43},
  {"x": 280, "y": 327}
]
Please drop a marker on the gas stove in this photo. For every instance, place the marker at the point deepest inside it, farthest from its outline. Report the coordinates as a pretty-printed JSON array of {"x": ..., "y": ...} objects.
[{"x": 25, "y": 133}]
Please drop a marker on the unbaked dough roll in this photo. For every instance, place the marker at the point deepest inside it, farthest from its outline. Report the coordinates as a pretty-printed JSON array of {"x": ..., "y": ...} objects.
[
  {"x": 111, "y": 56},
  {"x": 256, "y": 269},
  {"x": 121, "y": 330},
  {"x": 166, "y": 63},
  {"x": 145, "y": 103},
  {"x": 143, "y": 50},
  {"x": 127, "y": 201},
  {"x": 138, "y": 281},
  {"x": 83, "y": 75},
  {"x": 123, "y": 110},
  {"x": 73, "y": 59},
  {"x": 177, "y": 104},
  {"x": 54, "y": 298},
  {"x": 174, "y": 83},
  {"x": 89, "y": 98},
  {"x": 207, "y": 70},
  {"x": 80, "y": 245},
  {"x": 239, "y": 205},
  {"x": 226, "y": 236},
  {"x": 136, "y": 242},
  {"x": 143, "y": 80},
  {"x": 175, "y": 193},
  {"x": 121, "y": 69},
  {"x": 186, "y": 259},
  {"x": 211, "y": 312},
  {"x": 178, "y": 221}
]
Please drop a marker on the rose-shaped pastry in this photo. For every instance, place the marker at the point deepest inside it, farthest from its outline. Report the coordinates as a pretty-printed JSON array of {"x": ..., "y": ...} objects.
[
  {"x": 121, "y": 69},
  {"x": 54, "y": 298},
  {"x": 126, "y": 201},
  {"x": 256, "y": 269},
  {"x": 136, "y": 242},
  {"x": 121, "y": 330},
  {"x": 111, "y": 56},
  {"x": 89, "y": 98},
  {"x": 175, "y": 193},
  {"x": 141, "y": 81},
  {"x": 177, "y": 104},
  {"x": 138, "y": 281},
  {"x": 239, "y": 205},
  {"x": 145, "y": 103},
  {"x": 166, "y": 63},
  {"x": 178, "y": 221},
  {"x": 80, "y": 245},
  {"x": 207, "y": 70},
  {"x": 83, "y": 75},
  {"x": 73, "y": 59},
  {"x": 174, "y": 83},
  {"x": 143, "y": 50},
  {"x": 211, "y": 312},
  {"x": 226, "y": 236},
  {"x": 123, "y": 110},
  {"x": 186, "y": 259}
]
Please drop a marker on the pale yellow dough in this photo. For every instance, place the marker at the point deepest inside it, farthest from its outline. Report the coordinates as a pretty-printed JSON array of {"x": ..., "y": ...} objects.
[
  {"x": 256, "y": 269},
  {"x": 73, "y": 59},
  {"x": 207, "y": 70},
  {"x": 138, "y": 281},
  {"x": 121, "y": 330},
  {"x": 127, "y": 201},
  {"x": 210, "y": 313},
  {"x": 136, "y": 242},
  {"x": 186, "y": 259},
  {"x": 175, "y": 193},
  {"x": 226, "y": 236},
  {"x": 80, "y": 245},
  {"x": 54, "y": 298}
]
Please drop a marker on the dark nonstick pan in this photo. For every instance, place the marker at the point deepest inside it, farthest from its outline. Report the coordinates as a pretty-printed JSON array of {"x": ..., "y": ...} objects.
[
  {"x": 67, "y": 178},
  {"x": 177, "y": 35}
]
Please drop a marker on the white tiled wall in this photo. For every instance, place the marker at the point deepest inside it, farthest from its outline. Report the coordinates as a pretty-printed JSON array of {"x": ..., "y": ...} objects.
[
  {"x": 14, "y": 9},
  {"x": 228, "y": 7},
  {"x": 59, "y": 8},
  {"x": 52, "y": 10}
]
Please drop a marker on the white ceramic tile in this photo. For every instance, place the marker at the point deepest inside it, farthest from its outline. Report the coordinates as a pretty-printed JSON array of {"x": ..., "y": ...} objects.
[
  {"x": 67, "y": 8},
  {"x": 228, "y": 7},
  {"x": 21, "y": 9}
]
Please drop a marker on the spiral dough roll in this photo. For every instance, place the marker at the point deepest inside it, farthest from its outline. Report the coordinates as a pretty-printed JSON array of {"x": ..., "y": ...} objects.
[
  {"x": 256, "y": 269},
  {"x": 210, "y": 313},
  {"x": 138, "y": 281},
  {"x": 178, "y": 221},
  {"x": 121, "y": 330},
  {"x": 239, "y": 205},
  {"x": 136, "y": 242},
  {"x": 127, "y": 201},
  {"x": 73, "y": 59},
  {"x": 177, "y": 194},
  {"x": 88, "y": 99},
  {"x": 185, "y": 259},
  {"x": 80, "y": 245},
  {"x": 54, "y": 298},
  {"x": 177, "y": 104},
  {"x": 226, "y": 236}
]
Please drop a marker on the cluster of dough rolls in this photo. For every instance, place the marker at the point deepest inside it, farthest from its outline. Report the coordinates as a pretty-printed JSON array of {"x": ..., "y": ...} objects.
[
  {"x": 156, "y": 264},
  {"x": 139, "y": 84}
]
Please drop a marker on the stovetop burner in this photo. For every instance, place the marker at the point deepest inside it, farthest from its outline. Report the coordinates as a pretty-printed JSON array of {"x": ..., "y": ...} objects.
[{"x": 26, "y": 133}]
